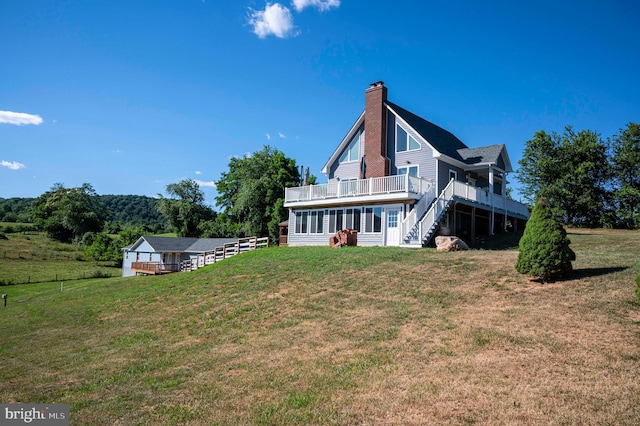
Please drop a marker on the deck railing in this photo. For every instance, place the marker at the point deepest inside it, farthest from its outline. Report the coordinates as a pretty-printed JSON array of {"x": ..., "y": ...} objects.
[
  {"x": 482, "y": 196},
  {"x": 223, "y": 252},
  {"x": 439, "y": 205},
  {"x": 154, "y": 268},
  {"x": 359, "y": 188}
]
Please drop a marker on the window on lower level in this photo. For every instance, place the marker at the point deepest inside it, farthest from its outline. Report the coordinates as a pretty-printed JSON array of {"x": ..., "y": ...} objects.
[
  {"x": 373, "y": 219},
  {"x": 309, "y": 222}
]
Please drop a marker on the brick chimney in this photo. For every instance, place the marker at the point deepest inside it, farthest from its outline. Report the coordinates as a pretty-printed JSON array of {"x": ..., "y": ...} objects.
[{"x": 375, "y": 131}]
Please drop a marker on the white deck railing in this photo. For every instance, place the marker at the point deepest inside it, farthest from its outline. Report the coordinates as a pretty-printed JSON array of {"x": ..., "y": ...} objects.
[
  {"x": 458, "y": 190},
  {"x": 482, "y": 196},
  {"x": 359, "y": 188}
]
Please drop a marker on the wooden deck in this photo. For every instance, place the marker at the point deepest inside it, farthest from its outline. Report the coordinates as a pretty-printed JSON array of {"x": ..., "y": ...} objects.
[{"x": 153, "y": 268}]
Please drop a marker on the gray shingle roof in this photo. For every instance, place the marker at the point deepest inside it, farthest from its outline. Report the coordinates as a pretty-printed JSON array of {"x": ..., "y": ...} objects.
[
  {"x": 442, "y": 140},
  {"x": 484, "y": 154},
  {"x": 186, "y": 244}
]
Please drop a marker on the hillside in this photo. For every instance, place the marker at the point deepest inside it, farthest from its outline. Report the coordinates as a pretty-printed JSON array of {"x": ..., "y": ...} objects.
[
  {"x": 124, "y": 210},
  {"x": 324, "y": 336}
]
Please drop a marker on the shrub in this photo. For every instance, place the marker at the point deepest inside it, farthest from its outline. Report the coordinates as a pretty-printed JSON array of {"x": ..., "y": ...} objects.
[
  {"x": 3, "y": 236},
  {"x": 544, "y": 247}
]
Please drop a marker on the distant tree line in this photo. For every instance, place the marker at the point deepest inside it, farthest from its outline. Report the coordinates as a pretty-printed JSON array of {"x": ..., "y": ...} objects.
[
  {"x": 121, "y": 211},
  {"x": 251, "y": 202},
  {"x": 588, "y": 182}
]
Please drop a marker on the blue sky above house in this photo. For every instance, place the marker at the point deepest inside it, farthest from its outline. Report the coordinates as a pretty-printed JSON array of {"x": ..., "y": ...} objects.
[{"x": 133, "y": 95}]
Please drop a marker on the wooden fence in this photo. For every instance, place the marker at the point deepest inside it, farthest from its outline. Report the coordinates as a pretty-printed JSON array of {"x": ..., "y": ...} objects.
[{"x": 228, "y": 250}]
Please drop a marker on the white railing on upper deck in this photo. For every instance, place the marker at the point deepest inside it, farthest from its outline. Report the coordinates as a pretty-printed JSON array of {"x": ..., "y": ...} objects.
[
  {"x": 483, "y": 196},
  {"x": 427, "y": 218},
  {"x": 359, "y": 188}
]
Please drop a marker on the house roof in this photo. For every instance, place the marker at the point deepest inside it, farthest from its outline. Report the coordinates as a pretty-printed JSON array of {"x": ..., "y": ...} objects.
[
  {"x": 182, "y": 244},
  {"x": 486, "y": 155},
  {"x": 442, "y": 140}
]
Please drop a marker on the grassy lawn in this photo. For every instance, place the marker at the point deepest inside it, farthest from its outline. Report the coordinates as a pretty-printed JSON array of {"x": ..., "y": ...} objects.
[
  {"x": 32, "y": 258},
  {"x": 314, "y": 335}
]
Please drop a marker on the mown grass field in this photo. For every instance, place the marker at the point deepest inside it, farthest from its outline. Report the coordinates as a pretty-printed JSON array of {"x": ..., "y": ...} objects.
[
  {"x": 32, "y": 257},
  {"x": 355, "y": 336}
]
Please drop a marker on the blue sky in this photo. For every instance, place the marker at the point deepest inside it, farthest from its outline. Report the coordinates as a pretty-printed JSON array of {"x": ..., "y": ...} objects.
[{"x": 130, "y": 96}]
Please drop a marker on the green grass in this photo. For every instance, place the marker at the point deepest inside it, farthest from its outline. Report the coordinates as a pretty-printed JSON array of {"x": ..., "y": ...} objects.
[
  {"x": 314, "y": 335},
  {"x": 33, "y": 258}
]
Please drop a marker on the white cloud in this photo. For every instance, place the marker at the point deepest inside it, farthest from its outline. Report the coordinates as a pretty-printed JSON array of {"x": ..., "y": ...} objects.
[
  {"x": 321, "y": 5},
  {"x": 19, "y": 118},
  {"x": 13, "y": 165},
  {"x": 275, "y": 19},
  {"x": 210, "y": 183},
  {"x": 282, "y": 136},
  {"x": 268, "y": 137},
  {"x": 198, "y": 172}
]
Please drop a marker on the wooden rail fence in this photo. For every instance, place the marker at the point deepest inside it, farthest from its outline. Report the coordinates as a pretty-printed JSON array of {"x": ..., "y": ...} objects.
[{"x": 228, "y": 250}]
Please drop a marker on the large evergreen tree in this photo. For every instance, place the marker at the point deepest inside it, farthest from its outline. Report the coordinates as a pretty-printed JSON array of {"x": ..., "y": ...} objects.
[
  {"x": 544, "y": 247},
  {"x": 251, "y": 193}
]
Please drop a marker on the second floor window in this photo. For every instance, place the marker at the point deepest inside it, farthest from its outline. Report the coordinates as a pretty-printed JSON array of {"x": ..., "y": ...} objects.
[
  {"x": 404, "y": 141},
  {"x": 352, "y": 152}
]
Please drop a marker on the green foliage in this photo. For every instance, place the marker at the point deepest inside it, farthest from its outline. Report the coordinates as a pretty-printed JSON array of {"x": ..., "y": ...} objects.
[
  {"x": 16, "y": 210},
  {"x": 185, "y": 209},
  {"x": 251, "y": 193},
  {"x": 571, "y": 171},
  {"x": 68, "y": 213},
  {"x": 132, "y": 210},
  {"x": 544, "y": 247},
  {"x": 626, "y": 173},
  {"x": 102, "y": 247}
]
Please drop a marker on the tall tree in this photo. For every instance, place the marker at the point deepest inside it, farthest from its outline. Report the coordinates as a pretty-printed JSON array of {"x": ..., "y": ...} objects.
[
  {"x": 571, "y": 171},
  {"x": 68, "y": 213},
  {"x": 185, "y": 208},
  {"x": 251, "y": 193},
  {"x": 625, "y": 161}
]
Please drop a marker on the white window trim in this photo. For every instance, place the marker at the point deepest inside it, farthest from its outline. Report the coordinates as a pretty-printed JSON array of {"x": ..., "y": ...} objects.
[
  {"x": 408, "y": 166},
  {"x": 408, "y": 135}
]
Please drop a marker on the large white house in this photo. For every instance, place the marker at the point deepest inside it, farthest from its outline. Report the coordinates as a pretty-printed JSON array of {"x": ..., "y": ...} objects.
[{"x": 399, "y": 179}]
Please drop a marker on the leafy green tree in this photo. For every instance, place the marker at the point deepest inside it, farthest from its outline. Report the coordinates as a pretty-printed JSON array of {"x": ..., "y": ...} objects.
[
  {"x": 251, "y": 193},
  {"x": 571, "y": 171},
  {"x": 544, "y": 247},
  {"x": 540, "y": 166},
  {"x": 68, "y": 213},
  {"x": 625, "y": 161},
  {"x": 104, "y": 248},
  {"x": 185, "y": 209}
]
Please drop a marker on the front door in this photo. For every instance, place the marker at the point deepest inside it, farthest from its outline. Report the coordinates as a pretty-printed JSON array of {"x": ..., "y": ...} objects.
[{"x": 393, "y": 227}]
